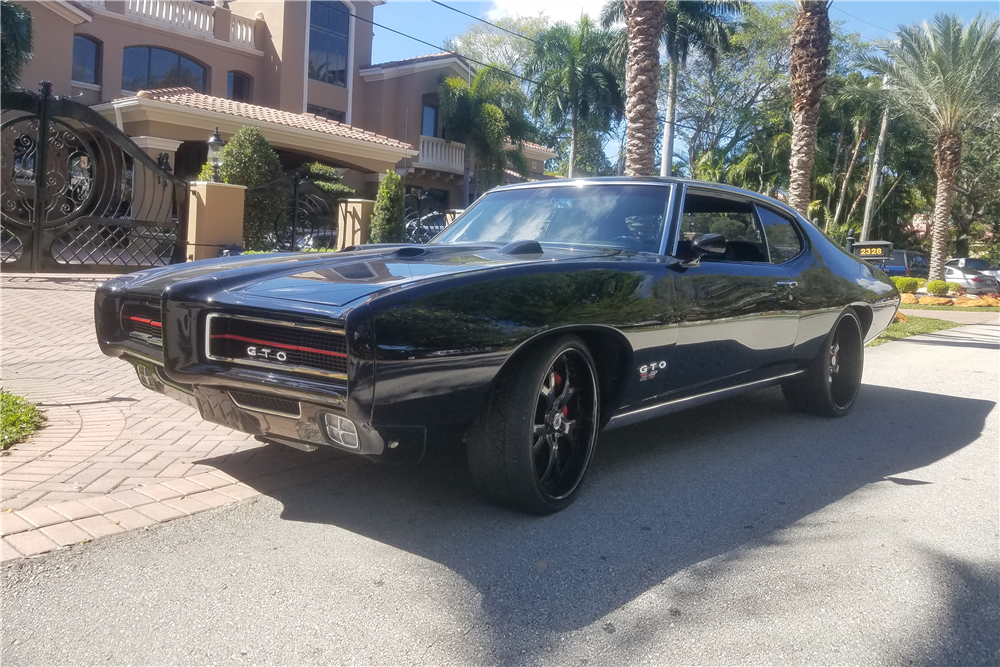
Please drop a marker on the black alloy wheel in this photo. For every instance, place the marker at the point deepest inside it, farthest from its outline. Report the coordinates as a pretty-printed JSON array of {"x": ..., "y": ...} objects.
[
  {"x": 533, "y": 442},
  {"x": 830, "y": 385}
]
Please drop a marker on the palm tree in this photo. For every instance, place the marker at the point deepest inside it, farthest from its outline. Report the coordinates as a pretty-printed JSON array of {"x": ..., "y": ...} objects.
[
  {"x": 15, "y": 43},
  {"x": 643, "y": 21},
  {"x": 573, "y": 80},
  {"x": 944, "y": 75},
  {"x": 488, "y": 116},
  {"x": 810, "y": 60},
  {"x": 691, "y": 25}
]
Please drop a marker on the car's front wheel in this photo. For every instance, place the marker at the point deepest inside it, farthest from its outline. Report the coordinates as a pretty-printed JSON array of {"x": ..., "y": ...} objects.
[
  {"x": 830, "y": 385},
  {"x": 532, "y": 444}
]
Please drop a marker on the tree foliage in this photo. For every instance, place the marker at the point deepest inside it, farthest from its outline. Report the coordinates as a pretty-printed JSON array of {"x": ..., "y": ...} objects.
[
  {"x": 488, "y": 44},
  {"x": 574, "y": 81},
  {"x": 15, "y": 43},
  {"x": 388, "y": 225},
  {"x": 489, "y": 116}
]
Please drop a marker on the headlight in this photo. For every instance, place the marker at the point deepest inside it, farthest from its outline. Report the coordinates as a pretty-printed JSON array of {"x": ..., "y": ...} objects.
[{"x": 341, "y": 430}]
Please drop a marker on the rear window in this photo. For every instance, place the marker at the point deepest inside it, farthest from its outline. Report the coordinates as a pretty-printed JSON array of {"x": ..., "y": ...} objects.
[{"x": 978, "y": 264}]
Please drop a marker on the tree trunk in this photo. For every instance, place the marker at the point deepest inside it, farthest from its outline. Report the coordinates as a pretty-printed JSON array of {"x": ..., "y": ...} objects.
[
  {"x": 810, "y": 60},
  {"x": 466, "y": 169},
  {"x": 847, "y": 176},
  {"x": 572, "y": 143},
  {"x": 667, "y": 155},
  {"x": 643, "y": 19},
  {"x": 861, "y": 195},
  {"x": 947, "y": 158},
  {"x": 833, "y": 176}
]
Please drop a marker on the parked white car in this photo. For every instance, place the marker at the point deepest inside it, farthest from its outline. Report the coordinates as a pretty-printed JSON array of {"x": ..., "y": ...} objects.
[
  {"x": 973, "y": 263},
  {"x": 973, "y": 281}
]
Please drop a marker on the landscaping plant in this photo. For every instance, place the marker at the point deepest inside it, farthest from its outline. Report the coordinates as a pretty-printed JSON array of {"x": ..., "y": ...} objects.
[
  {"x": 388, "y": 224},
  {"x": 938, "y": 288},
  {"x": 906, "y": 285},
  {"x": 18, "y": 419}
]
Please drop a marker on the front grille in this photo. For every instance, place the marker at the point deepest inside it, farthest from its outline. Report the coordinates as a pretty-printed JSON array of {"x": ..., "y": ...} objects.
[
  {"x": 265, "y": 403},
  {"x": 143, "y": 322},
  {"x": 292, "y": 347}
]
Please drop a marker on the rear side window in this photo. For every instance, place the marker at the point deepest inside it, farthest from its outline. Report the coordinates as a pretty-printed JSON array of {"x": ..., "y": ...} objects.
[{"x": 783, "y": 241}]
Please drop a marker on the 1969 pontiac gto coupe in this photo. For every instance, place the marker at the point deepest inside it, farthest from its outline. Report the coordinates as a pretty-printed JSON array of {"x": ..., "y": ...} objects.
[{"x": 544, "y": 314}]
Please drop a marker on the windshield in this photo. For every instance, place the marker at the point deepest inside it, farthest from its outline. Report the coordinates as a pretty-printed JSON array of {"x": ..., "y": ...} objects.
[{"x": 629, "y": 217}]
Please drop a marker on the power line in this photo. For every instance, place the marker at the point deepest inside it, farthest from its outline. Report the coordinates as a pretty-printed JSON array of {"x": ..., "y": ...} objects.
[
  {"x": 856, "y": 18},
  {"x": 494, "y": 25}
]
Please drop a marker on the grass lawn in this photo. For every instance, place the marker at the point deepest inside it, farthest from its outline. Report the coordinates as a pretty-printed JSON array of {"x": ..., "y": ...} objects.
[
  {"x": 18, "y": 419},
  {"x": 915, "y": 326},
  {"x": 917, "y": 306}
]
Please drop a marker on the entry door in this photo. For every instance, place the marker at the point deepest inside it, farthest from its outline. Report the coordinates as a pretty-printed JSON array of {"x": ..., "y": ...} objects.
[{"x": 737, "y": 313}]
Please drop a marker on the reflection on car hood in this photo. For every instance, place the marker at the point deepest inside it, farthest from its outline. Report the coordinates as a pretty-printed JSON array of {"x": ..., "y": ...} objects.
[{"x": 336, "y": 279}]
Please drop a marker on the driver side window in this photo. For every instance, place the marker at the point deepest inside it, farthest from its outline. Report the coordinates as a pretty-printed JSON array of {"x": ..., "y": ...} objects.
[{"x": 733, "y": 219}]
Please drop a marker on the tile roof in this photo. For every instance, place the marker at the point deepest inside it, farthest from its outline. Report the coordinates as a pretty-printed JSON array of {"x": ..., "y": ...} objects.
[
  {"x": 539, "y": 147},
  {"x": 417, "y": 59},
  {"x": 187, "y": 97}
]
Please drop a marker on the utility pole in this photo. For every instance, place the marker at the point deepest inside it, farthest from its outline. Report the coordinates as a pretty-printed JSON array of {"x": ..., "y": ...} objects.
[{"x": 873, "y": 181}]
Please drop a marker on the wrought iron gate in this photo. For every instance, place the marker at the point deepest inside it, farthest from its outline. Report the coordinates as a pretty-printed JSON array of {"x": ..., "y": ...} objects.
[
  {"x": 80, "y": 196},
  {"x": 307, "y": 221}
]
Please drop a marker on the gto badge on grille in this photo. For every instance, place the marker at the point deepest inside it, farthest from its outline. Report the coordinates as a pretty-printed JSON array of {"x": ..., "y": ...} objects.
[{"x": 266, "y": 352}]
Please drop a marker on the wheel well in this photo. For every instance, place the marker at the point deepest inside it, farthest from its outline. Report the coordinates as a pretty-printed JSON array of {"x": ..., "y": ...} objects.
[
  {"x": 865, "y": 315},
  {"x": 612, "y": 355}
]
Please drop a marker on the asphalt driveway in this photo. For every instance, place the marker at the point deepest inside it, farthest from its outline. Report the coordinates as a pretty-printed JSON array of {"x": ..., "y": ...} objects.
[{"x": 736, "y": 533}]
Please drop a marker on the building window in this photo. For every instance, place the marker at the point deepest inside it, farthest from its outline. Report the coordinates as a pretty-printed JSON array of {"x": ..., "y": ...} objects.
[
  {"x": 149, "y": 68},
  {"x": 323, "y": 112},
  {"x": 329, "y": 35},
  {"x": 86, "y": 59},
  {"x": 429, "y": 122},
  {"x": 238, "y": 87}
]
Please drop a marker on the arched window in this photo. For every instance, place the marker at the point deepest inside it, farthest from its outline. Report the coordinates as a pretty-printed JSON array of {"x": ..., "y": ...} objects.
[
  {"x": 329, "y": 35},
  {"x": 86, "y": 60},
  {"x": 149, "y": 67},
  {"x": 238, "y": 87}
]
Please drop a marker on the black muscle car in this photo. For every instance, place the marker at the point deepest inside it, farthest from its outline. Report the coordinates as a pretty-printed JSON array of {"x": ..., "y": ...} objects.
[{"x": 544, "y": 314}]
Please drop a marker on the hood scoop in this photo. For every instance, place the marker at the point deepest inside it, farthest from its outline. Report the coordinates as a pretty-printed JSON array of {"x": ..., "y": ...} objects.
[
  {"x": 521, "y": 248},
  {"x": 411, "y": 251}
]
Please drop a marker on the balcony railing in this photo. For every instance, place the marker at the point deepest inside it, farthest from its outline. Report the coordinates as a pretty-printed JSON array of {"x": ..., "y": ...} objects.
[
  {"x": 441, "y": 155},
  {"x": 183, "y": 14},
  {"x": 241, "y": 31}
]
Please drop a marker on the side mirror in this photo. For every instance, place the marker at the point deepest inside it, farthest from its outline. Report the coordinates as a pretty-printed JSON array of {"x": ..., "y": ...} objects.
[{"x": 710, "y": 244}]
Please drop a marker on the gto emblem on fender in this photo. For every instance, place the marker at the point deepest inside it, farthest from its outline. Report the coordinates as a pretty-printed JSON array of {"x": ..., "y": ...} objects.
[
  {"x": 649, "y": 371},
  {"x": 266, "y": 352}
]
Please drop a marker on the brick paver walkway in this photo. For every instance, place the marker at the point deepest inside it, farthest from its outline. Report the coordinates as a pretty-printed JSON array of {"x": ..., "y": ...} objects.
[{"x": 113, "y": 456}]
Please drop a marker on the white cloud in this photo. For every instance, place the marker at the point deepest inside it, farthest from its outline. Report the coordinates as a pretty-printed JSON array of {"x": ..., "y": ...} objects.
[{"x": 557, "y": 10}]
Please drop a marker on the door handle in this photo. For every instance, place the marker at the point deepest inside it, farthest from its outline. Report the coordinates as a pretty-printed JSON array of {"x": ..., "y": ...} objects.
[{"x": 786, "y": 283}]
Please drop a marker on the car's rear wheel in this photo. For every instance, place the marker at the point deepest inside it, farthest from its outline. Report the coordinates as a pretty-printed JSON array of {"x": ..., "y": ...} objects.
[
  {"x": 532, "y": 444},
  {"x": 830, "y": 385}
]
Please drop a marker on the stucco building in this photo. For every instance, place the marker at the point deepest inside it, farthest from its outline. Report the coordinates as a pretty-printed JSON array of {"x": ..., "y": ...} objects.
[{"x": 168, "y": 72}]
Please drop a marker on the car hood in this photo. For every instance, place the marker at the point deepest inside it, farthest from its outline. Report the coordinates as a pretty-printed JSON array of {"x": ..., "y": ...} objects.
[{"x": 336, "y": 279}]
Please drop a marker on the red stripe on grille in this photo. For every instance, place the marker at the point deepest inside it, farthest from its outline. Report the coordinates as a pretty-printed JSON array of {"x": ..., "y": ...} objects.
[
  {"x": 145, "y": 321},
  {"x": 287, "y": 347}
]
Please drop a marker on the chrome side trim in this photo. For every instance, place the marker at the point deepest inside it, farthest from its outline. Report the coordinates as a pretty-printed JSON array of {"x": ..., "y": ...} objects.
[
  {"x": 297, "y": 415},
  {"x": 690, "y": 401},
  {"x": 264, "y": 364},
  {"x": 667, "y": 218}
]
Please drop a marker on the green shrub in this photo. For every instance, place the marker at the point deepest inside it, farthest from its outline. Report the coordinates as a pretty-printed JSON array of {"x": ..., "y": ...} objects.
[
  {"x": 18, "y": 419},
  {"x": 937, "y": 288},
  {"x": 956, "y": 289},
  {"x": 248, "y": 159},
  {"x": 921, "y": 282},
  {"x": 388, "y": 225},
  {"x": 905, "y": 285}
]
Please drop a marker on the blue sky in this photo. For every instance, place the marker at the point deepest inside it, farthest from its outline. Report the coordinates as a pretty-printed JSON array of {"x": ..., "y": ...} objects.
[{"x": 433, "y": 23}]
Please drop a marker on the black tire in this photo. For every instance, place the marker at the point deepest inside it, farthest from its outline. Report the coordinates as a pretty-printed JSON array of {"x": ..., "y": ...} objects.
[
  {"x": 533, "y": 441},
  {"x": 830, "y": 385}
]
